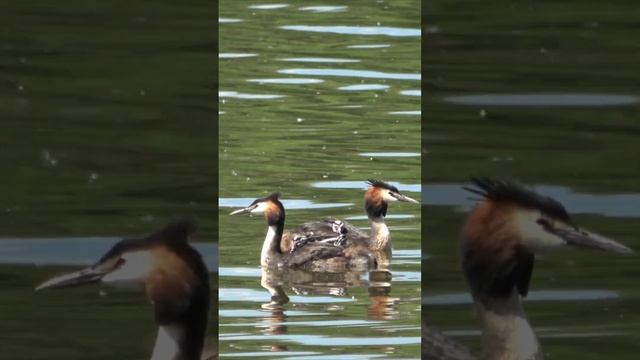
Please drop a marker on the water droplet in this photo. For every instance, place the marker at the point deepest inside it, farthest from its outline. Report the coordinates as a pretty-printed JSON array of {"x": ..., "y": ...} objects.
[{"x": 48, "y": 158}]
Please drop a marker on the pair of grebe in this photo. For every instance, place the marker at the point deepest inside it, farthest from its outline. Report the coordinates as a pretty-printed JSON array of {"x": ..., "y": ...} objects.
[
  {"x": 501, "y": 236},
  {"x": 330, "y": 244}
]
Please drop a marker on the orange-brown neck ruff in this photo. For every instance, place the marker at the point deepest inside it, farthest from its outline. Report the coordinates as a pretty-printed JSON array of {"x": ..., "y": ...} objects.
[
  {"x": 493, "y": 259},
  {"x": 374, "y": 203},
  {"x": 179, "y": 291},
  {"x": 274, "y": 212}
]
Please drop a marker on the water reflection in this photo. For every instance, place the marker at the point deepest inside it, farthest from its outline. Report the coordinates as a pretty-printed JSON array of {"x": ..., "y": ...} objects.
[
  {"x": 369, "y": 46},
  {"x": 410, "y": 112},
  {"x": 390, "y": 154},
  {"x": 351, "y": 73},
  {"x": 268, "y": 6},
  {"x": 362, "y": 185},
  {"x": 320, "y": 60},
  {"x": 324, "y": 9},
  {"x": 289, "y": 204},
  {"x": 548, "y": 99},
  {"x": 411, "y": 92},
  {"x": 290, "y": 81},
  {"x": 238, "y": 95},
  {"x": 619, "y": 205},
  {"x": 228, "y": 20},
  {"x": 235, "y": 55},
  {"x": 363, "y": 87},
  {"x": 534, "y": 295},
  {"x": 273, "y": 319},
  {"x": 76, "y": 251},
  {"x": 355, "y": 30}
]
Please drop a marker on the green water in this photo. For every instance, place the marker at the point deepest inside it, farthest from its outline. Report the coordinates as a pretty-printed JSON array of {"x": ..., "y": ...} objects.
[
  {"x": 515, "y": 47},
  {"x": 108, "y": 129},
  {"x": 302, "y": 139}
]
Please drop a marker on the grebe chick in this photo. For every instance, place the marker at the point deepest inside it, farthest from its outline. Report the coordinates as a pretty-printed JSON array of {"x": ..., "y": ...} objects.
[
  {"x": 175, "y": 280},
  {"x": 499, "y": 241},
  {"x": 376, "y": 200},
  {"x": 315, "y": 256}
]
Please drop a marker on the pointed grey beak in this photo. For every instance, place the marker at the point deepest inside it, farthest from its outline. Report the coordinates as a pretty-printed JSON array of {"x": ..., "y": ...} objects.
[
  {"x": 585, "y": 239},
  {"x": 405, "y": 198},
  {"x": 83, "y": 277},
  {"x": 243, "y": 211}
]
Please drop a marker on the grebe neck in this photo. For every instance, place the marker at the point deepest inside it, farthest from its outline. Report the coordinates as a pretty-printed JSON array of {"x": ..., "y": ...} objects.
[
  {"x": 506, "y": 332},
  {"x": 271, "y": 245},
  {"x": 380, "y": 236},
  {"x": 167, "y": 346}
]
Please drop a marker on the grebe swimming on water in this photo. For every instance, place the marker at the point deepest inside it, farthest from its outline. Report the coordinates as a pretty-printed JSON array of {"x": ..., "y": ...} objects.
[
  {"x": 174, "y": 278},
  {"x": 376, "y": 200},
  {"x": 499, "y": 241},
  {"x": 314, "y": 256}
]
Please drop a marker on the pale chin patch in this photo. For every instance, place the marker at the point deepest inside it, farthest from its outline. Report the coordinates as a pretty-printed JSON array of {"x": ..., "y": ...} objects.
[
  {"x": 137, "y": 266},
  {"x": 260, "y": 209},
  {"x": 387, "y": 196},
  {"x": 533, "y": 234}
]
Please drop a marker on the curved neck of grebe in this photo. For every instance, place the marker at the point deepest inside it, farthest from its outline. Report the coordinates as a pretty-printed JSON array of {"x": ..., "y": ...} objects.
[
  {"x": 379, "y": 237},
  {"x": 184, "y": 338},
  {"x": 271, "y": 244},
  {"x": 506, "y": 332}
]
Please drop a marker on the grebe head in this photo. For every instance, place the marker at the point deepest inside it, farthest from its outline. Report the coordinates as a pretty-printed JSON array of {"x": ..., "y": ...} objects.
[
  {"x": 379, "y": 194},
  {"x": 505, "y": 229},
  {"x": 270, "y": 206},
  {"x": 173, "y": 275},
  {"x": 153, "y": 261}
]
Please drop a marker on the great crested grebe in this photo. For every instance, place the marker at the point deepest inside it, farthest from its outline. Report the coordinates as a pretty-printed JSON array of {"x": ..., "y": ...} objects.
[
  {"x": 175, "y": 280},
  {"x": 315, "y": 256},
  {"x": 376, "y": 200},
  {"x": 501, "y": 235}
]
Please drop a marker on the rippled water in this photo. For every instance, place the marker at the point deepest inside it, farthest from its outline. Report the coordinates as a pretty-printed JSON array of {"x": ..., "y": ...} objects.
[
  {"x": 512, "y": 91},
  {"x": 314, "y": 105},
  {"x": 107, "y": 123}
]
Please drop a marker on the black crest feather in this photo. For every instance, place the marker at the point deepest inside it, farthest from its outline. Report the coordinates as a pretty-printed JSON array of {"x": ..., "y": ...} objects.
[
  {"x": 382, "y": 184},
  {"x": 178, "y": 230},
  {"x": 509, "y": 191},
  {"x": 273, "y": 197}
]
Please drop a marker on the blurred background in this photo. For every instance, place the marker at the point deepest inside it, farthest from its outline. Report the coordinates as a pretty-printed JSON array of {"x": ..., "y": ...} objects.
[
  {"x": 108, "y": 130},
  {"x": 545, "y": 93},
  {"x": 315, "y": 98}
]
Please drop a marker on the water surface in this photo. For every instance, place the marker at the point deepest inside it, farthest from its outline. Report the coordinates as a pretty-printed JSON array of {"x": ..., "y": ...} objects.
[
  {"x": 315, "y": 99},
  {"x": 108, "y": 114}
]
